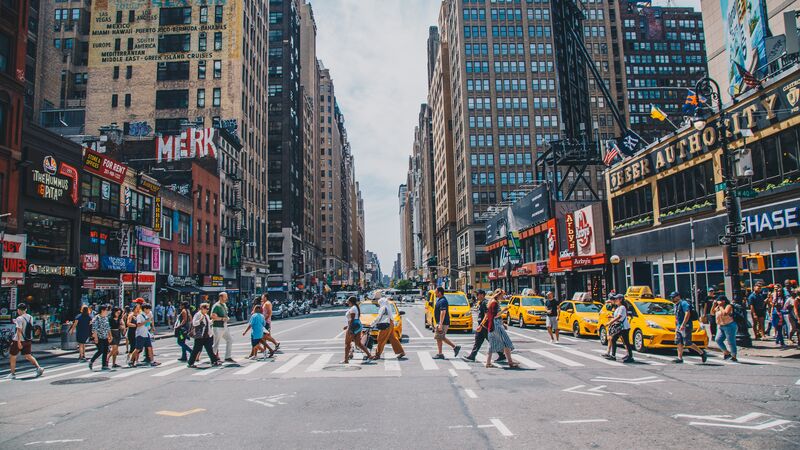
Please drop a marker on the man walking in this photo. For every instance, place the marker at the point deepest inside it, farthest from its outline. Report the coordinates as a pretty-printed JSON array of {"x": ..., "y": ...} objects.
[
  {"x": 552, "y": 316},
  {"x": 22, "y": 340},
  {"x": 219, "y": 324},
  {"x": 480, "y": 333},
  {"x": 442, "y": 312},
  {"x": 101, "y": 334},
  {"x": 683, "y": 327},
  {"x": 757, "y": 301},
  {"x": 144, "y": 336},
  {"x": 170, "y": 314}
]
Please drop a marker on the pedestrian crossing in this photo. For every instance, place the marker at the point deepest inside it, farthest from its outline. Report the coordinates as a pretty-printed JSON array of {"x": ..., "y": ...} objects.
[{"x": 325, "y": 364}]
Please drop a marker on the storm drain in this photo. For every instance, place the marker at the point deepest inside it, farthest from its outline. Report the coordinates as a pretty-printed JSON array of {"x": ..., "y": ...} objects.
[
  {"x": 79, "y": 381},
  {"x": 341, "y": 368}
]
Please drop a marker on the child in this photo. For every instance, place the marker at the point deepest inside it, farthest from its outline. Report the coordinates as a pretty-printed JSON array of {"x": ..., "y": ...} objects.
[{"x": 256, "y": 328}]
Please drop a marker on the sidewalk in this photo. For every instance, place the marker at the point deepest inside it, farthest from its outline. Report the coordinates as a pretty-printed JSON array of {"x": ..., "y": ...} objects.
[{"x": 765, "y": 349}]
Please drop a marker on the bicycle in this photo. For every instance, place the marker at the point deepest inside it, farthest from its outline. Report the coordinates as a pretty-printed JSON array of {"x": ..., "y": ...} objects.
[{"x": 5, "y": 342}]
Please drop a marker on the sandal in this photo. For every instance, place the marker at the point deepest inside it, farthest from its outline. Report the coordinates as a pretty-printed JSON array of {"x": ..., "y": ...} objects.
[
  {"x": 491, "y": 366},
  {"x": 513, "y": 365},
  {"x": 344, "y": 362}
]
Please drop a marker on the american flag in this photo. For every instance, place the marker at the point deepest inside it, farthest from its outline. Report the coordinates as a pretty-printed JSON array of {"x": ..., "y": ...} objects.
[
  {"x": 749, "y": 80},
  {"x": 612, "y": 152}
]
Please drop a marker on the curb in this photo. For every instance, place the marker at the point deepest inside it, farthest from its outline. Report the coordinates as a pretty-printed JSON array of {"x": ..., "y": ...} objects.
[{"x": 749, "y": 354}]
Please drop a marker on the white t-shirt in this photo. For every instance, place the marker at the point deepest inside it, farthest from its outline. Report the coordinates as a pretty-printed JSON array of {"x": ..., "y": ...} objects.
[
  {"x": 144, "y": 330},
  {"x": 20, "y": 322},
  {"x": 352, "y": 312},
  {"x": 623, "y": 312}
]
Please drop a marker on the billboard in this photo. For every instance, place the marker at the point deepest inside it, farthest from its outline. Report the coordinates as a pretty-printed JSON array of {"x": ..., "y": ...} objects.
[
  {"x": 529, "y": 210},
  {"x": 744, "y": 23},
  {"x": 132, "y": 32}
]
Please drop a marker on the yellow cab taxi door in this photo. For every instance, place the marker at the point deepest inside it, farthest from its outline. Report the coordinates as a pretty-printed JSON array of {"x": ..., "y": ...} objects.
[
  {"x": 564, "y": 315},
  {"x": 429, "y": 309},
  {"x": 513, "y": 308}
]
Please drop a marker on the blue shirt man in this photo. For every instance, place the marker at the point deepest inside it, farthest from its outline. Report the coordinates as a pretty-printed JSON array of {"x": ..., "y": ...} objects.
[
  {"x": 442, "y": 305},
  {"x": 257, "y": 323}
]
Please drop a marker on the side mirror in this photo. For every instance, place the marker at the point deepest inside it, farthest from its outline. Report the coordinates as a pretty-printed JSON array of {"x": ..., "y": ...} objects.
[{"x": 402, "y": 313}]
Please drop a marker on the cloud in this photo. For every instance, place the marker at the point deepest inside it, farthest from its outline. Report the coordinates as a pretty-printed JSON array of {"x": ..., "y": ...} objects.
[{"x": 376, "y": 51}]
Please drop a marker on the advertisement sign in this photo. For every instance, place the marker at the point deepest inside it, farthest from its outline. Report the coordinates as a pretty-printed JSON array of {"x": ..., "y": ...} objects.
[
  {"x": 51, "y": 179},
  {"x": 117, "y": 263},
  {"x": 63, "y": 271},
  {"x": 148, "y": 237},
  {"x": 584, "y": 232},
  {"x": 213, "y": 280},
  {"x": 155, "y": 259},
  {"x": 90, "y": 261},
  {"x": 148, "y": 184},
  {"x": 14, "y": 263},
  {"x": 157, "y": 214},
  {"x": 141, "y": 278},
  {"x": 103, "y": 166},
  {"x": 125, "y": 242},
  {"x": 745, "y": 26},
  {"x": 569, "y": 221},
  {"x": 529, "y": 210},
  {"x": 192, "y": 143}
]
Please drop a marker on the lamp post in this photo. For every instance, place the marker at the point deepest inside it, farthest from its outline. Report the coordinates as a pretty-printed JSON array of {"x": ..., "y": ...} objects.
[
  {"x": 709, "y": 88},
  {"x": 614, "y": 260}
]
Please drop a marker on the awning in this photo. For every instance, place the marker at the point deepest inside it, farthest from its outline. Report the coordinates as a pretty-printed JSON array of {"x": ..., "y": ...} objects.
[
  {"x": 211, "y": 289},
  {"x": 184, "y": 289}
]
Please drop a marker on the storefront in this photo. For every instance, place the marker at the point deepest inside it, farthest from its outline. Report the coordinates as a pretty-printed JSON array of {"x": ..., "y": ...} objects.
[
  {"x": 667, "y": 203},
  {"x": 176, "y": 289},
  {"x": 15, "y": 265},
  {"x": 135, "y": 285}
]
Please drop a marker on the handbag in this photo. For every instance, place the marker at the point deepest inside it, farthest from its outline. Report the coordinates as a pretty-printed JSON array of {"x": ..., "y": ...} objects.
[
  {"x": 615, "y": 329},
  {"x": 382, "y": 326}
]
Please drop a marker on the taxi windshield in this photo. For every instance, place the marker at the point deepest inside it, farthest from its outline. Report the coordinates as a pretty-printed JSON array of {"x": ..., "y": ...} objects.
[
  {"x": 588, "y": 307},
  {"x": 368, "y": 308},
  {"x": 656, "y": 308},
  {"x": 456, "y": 299},
  {"x": 532, "y": 301}
]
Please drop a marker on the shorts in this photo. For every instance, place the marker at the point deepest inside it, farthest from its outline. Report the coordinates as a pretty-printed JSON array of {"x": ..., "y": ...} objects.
[
  {"x": 254, "y": 342},
  {"x": 115, "y": 337},
  {"x": 440, "y": 335},
  {"x": 143, "y": 342},
  {"x": 268, "y": 327},
  {"x": 15, "y": 350},
  {"x": 552, "y": 322},
  {"x": 683, "y": 338}
]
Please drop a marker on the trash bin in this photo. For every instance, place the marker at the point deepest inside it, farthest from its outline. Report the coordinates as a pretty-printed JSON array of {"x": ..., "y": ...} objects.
[{"x": 68, "y": 341}]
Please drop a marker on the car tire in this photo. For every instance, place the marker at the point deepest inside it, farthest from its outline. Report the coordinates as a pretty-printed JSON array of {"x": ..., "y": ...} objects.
[
  {"x": 576, "y": 329},
  {"x": 521, "y": 322},
  {"x": 603, "y": 335},
  {"x": 638, "y": 341}
]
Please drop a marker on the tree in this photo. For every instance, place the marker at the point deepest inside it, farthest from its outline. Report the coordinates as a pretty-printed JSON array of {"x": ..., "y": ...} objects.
[{"x": 404, "y": 285}]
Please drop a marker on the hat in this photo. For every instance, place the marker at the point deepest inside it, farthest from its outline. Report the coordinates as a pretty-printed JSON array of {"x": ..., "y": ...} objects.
[
  {"x": 711, "y": 289},
  {"x": 480, "y": 291},
  {"x": 139, "y": 300},
  {"x": 674, "y": 294},
  {"x": 619, "y": 297}
]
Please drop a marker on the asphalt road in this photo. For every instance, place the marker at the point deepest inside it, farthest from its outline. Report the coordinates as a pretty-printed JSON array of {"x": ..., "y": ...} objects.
[{"x": 565, "y": 396}]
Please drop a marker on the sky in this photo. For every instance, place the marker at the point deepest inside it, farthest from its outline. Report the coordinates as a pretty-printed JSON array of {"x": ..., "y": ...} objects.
[{"x": 376, "y": 51}]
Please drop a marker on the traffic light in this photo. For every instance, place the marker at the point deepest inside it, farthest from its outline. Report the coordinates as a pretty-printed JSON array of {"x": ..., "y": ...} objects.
[{"x": 753, "y": 263}]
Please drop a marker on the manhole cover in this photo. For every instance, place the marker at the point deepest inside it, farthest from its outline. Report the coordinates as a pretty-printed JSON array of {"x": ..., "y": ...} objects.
[
  {"x": 341, "y": 368},
  {"x": 80, "y": 380}
]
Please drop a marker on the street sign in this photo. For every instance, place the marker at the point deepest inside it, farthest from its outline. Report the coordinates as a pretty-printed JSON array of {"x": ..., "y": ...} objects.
[
  {"x": 724, "y": 240},
  {"x": 738, "y": 239},
  {"x": 720, "y": 186},
  {"x": 745, "y": 193},
  {"x": 734, "y": 229}
]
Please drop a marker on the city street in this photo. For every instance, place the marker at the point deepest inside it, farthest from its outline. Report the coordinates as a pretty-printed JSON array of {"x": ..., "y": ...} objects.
[{"x": 564, "y": 396}]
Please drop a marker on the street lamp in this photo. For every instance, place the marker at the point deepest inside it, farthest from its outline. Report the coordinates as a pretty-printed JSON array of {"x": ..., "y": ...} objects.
[
  {"x": 709, "y": 88},
  {"x": 614, "y": 260}
]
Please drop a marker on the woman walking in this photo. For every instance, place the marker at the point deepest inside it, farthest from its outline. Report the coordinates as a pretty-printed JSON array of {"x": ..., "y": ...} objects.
[
  {"x": 182, "y": 323},
  {"x": 353, "y": 331},
  {"x": 619, "y": 327},
  {"x": 776, "y": 317},
  {"x": 790, "y": 315},
  {"x": 101, "y": 334},
  {"x": 385, "y": 326},
  {"x": 726, "y": 327},
  {"x": 202, "y": 337},
  {"x": 498, "y": 338},
  {"x": 82, "y": 327},
  {"x": 130, "y": 325},
  {"x": 117, "y": 326}
]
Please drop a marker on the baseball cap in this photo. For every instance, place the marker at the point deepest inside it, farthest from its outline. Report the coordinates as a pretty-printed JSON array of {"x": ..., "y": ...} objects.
[
  {"x": 139, "y": 300},
  {"x": 674, "y": 294}
]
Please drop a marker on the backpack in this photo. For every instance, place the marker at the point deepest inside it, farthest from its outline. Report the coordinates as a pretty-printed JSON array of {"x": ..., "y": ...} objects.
[
  {"x": 27, "y": 331},
  {"x": 693, "y": 313}
]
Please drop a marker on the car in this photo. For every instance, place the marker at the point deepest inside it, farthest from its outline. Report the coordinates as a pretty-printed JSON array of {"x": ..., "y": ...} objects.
[
  {"x": 652, "y": 321},
  {"x": 504, "y": 304},
  {"x": 579, "y": 317},
  {"x": 369, "y": 312},
  {"x": 459, "y": 310},
  {"x": 526, "y": 310}
]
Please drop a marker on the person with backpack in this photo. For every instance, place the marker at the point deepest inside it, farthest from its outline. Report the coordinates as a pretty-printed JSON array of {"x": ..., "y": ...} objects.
[
  {"x": 182, "y": 324},
  {"x": 101, "y": 334},
  {"x": 203, "y": 339},
  {"x": 144, "y": 336},
  {"x": 620, "y": 327},
  {"x": 685, "y": 314},
  {"x": 22, "y": 340}
]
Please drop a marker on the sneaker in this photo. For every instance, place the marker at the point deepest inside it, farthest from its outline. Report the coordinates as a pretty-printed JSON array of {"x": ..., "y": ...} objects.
[
  {"x": 90, "y": 366},
  {"x": 733, "y": 359},
  {"x": 726, "y": 356},
  {"x": 155, "y": 364},
  {"x": 216, "y": 363},
  {"x": 115, "y": 366},
  {"x": 12, "y": 376},
  {"x": 610, "y": 357},
  {"x": 439, "y": 356},
  {"x": 704, "y": 356},
  {"x": 183, "y": 359},
  {"x": 105, "y": 368},
  {"x": 191, "y": 366},
  {"x": 468, "y": 358},
  {"x": 629, "y": 359},
  {"x": 678, "y": 361},
  {"x": 39, "y": 372},
  {"x": 552, "y": 341},
  {"x": 230, "y": 360},
  {"x": 130, "y": 363},
  {"x": 456, "y": 349}
]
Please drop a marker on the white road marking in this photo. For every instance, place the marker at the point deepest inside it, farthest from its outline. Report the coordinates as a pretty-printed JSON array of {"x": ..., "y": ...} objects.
[
  {"x": 584, "y": 421},
  {"x": 643, "y": 361},
  {"x": 572, "y": 339},
  {"x": 355, "y": 430},
  {"x": 470, "y": 393},
  {"x": 501, "y": 427},
  {"x": 643, "y": 380},
  {"x": 527, "y": 362},
  {"x": 558, "y": 358},
  {"x": 339, "y": 336},
  {"x": 797, "y": 382},
  {"x": 57, "y": 441},
  {"x": 530, "y": 338},
  {"x": 271, "y": 400},
  {"x": 762, "y": 426},
  {"x": 48, "y": 369},
  {"x": 188, "y": 435},
  {"x": 130, "y": 372},
  {"x": 391, "y": 365},
  {"x": 164, "y": 373},
  {"x": 459, "y": 364},
  {"x": 595, "y": 391},
  {"x": 250, "y": 368},
  {"x": 666, "y": 358},
  {"x": 427, "y": 362},
  {"x": 291, "y": 363},
  {"x": 722, "y": 418},
  {"x": 592, "y": 357},
  {"x": 419, "y": 333},
  {"x": 321, "y": 362},
  {"x": 206, "y": 372},
  {"x": 452, "y": 372}
]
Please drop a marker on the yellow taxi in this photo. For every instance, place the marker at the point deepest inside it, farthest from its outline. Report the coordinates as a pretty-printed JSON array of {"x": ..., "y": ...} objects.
[
  {"x": 459, "y": 310},
  {"x": 503, "y": 305},
  {"x": 579, "y": 315},
  {"x": 369, "y": 312},
  {"x": 526, "y": 310},
  {"x": 652, "y": 321}
]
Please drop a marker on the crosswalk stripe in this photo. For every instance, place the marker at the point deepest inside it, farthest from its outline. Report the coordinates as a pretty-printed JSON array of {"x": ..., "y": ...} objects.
[
  {"x": 555, "y": 357},
  {"x": 50, "y": 377},
  {"x": 427, "y": 362},
  {"x": 163, "y": 373},
  {"x": 527, "y": 362},
  {"x": 459, "y": 364},
  {"x": 592, "y": 357},
  {"x": 651, "y": 363},
  {"x": 48, "y": 369},
  {"x": 665, "y": 358},
  {"x": 391, "y": 365},
  {"x": 291, "y": 363},
  {"x": 252, "y": 367},
  {"x": 207, "y": 372},
  {"x": 131, "y": 372},
  {"x": 320, "y": 363}
]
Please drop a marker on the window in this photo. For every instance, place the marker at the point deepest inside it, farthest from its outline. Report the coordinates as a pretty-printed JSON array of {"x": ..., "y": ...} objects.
[
  {"x": 201, "y": 70},
  {"x": 141, "y": 208},
  {"x": 217, "y": 68},
  {"x": 218, "y": 14},
  {"x": 218, "y": 40},
  {"x": 166, "y": 224},
  {"x": 171, "y": 99},
  {"x": 217, "y": 100},
  {"x": 202, "y": 42},
  {"x": 168, "y": 43},
  {"x": 635, "y": 205},
  {"x": 103, "y": 195},
  {"x": 49, "y": 238},
  {"x": 178, "y": 70},
  {"x": 201, "y": 98},
  {"x": 166, "y": 262},
  {"x": 116, "y": 72},
  {"x": 204, "y": 14},
  {"x": 692, "y": 187},
  {"x": 184, "y": 228},
  {"x": 175, "y": 16},
  {"x": 184, "y": 261},
  {"x": 114, "y": 100},
  {"x": 127, "y": 100},
  {"x": 128, "y": 72}
]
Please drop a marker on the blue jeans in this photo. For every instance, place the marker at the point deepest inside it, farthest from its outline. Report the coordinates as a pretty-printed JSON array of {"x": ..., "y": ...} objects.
[
  {"x": 776, "y": 323},
  {"x": 185, "y": 349},
  {"x": 727, "y": 333}
]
